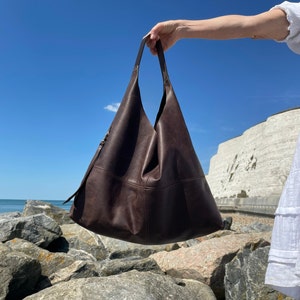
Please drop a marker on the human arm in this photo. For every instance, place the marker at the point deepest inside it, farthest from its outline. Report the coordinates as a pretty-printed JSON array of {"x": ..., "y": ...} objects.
[{"x": 272, "y": 24}]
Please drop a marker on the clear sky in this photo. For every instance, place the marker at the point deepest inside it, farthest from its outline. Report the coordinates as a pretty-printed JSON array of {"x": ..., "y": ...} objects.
[{"x": 65, "y": 63}]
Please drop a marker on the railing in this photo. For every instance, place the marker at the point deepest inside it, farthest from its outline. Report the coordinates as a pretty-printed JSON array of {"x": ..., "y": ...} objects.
[{"x": 265, "y": 206}]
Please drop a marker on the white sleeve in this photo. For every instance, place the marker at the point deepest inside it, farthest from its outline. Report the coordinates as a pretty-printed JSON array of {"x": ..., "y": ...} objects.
[{"x": 292, "y": 10}]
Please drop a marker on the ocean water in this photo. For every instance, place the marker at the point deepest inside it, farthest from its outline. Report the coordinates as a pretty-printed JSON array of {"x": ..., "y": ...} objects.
[{"x": 12, "y": 205}]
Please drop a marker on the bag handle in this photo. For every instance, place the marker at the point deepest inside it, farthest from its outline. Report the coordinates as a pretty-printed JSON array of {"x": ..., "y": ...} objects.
[
  {"x": 166, "y": 82},
  {"x": 161, "y": 58}
]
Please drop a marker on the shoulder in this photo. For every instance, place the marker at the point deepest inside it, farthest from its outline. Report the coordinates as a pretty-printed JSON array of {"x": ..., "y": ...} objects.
[{"x": 292, "y": 10}]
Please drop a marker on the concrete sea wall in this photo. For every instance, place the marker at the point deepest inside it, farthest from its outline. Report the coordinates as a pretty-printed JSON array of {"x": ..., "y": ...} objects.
[{"x": 251, "y": 169}]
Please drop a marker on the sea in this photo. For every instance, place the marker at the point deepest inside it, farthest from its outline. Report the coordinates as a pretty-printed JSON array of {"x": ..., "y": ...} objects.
[{"x": 13, "y": 205}]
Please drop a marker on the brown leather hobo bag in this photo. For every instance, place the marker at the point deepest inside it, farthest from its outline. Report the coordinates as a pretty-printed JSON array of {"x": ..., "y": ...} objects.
[{"x": 145, "y": 183}]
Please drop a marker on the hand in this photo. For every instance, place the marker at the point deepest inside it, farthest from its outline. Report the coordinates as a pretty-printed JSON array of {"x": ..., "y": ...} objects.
[{"x": 166, "y": 32}]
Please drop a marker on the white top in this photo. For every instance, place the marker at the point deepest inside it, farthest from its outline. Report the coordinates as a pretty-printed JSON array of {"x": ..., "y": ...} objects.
[
  {"x": 292, "y": 10},
  {"x": 283, "y": 271}
]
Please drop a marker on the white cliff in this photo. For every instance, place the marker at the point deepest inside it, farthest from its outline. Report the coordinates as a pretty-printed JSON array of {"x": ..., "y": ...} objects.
[{"x": 257, "y": 163}]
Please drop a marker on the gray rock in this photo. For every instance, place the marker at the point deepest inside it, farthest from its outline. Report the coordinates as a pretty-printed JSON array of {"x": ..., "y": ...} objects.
[
  {"x": 38, "y": 229},
  {"x": 185, "y": 273},
  {"x": 79, "y": 264},
  {"x": 245, "y": 274},
  {"x": 50, "y": 262},
  {"x": 10, "y": 215},
  {"x": 81, "y": 255},
  {"x": 78, "y": 269},
  {"x": 84, "y": 240},
  {"x": 256, "y": 227},
  {"x": 34, "y": 207},
  {"x": 55, "y": 267},
  {"x": 120, "y": 249},
  {"x": 117, "y": 266},
  {"x": 132, "y": 285},
  {"x": 19, "y": 274}
]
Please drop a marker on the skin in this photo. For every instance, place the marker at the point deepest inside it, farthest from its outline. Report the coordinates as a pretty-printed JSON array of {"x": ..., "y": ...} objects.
[{"x": 272, "y": 24}]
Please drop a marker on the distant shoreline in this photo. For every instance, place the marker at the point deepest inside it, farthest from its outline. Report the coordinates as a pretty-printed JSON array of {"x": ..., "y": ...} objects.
[{"x": 17, "y": 205}]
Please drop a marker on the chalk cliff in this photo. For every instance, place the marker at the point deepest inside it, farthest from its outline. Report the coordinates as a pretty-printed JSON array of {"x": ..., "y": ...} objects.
[{"x": 257, "y": 163}]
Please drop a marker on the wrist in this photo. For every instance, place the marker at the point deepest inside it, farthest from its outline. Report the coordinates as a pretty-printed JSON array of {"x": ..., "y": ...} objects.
[{"x": 187, "y": 29}]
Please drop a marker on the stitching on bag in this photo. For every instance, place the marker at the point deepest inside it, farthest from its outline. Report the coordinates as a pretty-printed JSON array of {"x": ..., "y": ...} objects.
[{"x": 141, "y": 185}]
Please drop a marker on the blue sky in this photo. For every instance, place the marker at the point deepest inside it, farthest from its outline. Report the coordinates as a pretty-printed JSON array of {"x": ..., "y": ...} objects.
[{"x": 64, "y": 64}]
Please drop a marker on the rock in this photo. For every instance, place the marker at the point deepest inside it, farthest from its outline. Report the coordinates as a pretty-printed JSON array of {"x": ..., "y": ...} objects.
[
  {"x": 189, "y": 243},
  {"x": 81, "y": 255},
  {"x": 55, "y": 267},
  {"x": 38, "y": 229},
  {"x": 50, "y": 262},
  {"x": 78, "y": 269},
  {"x": 132, "y": 285},
  {"x": 73, "y": 263},
  {"x": 120, "y": 249},
  {"x": 84, "y": 240},
  {"x": 245, "y": 274},
  {"x": 207, "y": 260},
  {"x": 117, "y": 266},
  {"x": 34, "y": 207},
  {"x": 256, "y": 227},
  {"x": 185, "y": 273},
  {"x": 19, "y": 274},
  {"x": 10, "y": 215},
  {"x": 213, "y": 235}
]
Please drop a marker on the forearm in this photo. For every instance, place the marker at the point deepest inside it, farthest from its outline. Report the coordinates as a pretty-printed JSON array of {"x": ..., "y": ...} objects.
[
  {"x": 268, "y": 25},
  {"x": 272, "y": 24},
  {"x": 220, "y": 28}
]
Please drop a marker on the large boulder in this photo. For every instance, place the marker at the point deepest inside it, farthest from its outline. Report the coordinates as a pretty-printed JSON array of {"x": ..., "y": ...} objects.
[
  {"x": 245, "y": 274},
  {"x": 55, "y": 267},
  {"x": 132, "y": 285},
  {"x": 38, "y": 229},
  {"x": 50, "y": 261},
  {"x": 34, "y": 207},
  {"x": 84, "y": 240},
  {"x": 206, "y": 261},
  {"x": 19, "y": 273}
]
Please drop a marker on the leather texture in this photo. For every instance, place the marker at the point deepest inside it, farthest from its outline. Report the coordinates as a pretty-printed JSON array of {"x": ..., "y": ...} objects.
[{"x": 145, "y": 183}]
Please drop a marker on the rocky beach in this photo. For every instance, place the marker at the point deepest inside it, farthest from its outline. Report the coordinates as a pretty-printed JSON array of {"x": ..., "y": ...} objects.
[{"x": 44, "y": 255}]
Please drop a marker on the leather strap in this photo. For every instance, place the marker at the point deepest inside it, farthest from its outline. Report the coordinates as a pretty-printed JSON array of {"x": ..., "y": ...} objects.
[{"x": 161, "y": 58}]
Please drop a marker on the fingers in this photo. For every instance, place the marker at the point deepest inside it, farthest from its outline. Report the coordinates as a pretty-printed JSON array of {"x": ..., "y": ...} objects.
[
  {"x": 151, "y": 42},
  {"x": 154, "y": 36},
  {"x": 164, "y": 31}
]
